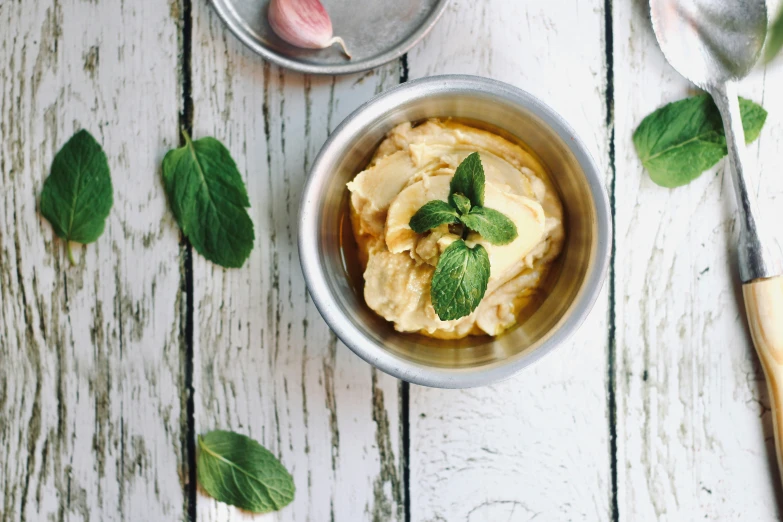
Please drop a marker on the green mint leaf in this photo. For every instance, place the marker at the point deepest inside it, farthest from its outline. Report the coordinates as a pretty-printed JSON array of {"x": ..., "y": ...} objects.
[
  {"x": 460, "y": 202},
  {"x": 774, "y": 38},
  {"x": 433, "y": 214},
  {"x": 460, "y": 280},
  {"x": 469, "y": 180},
  {"x": 679, "y": 141},
  {"x": 77, "y": 196},
  {"x": 239, "y": 471},
  {"x": 209, "y": 200},
  {"x": 491, "y": 224}
]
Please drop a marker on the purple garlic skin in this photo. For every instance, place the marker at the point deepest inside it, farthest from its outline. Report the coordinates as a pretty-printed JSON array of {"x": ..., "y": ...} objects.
[{"x": 303, "y": 23}]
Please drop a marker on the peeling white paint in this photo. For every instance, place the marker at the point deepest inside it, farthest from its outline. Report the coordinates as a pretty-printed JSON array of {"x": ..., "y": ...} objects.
[{"x": 92, "y": 384}]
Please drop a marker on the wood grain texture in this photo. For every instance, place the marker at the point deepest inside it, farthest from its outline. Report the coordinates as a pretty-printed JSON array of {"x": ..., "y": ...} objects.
[
  {"x": 93, "y": 389},
  {"x": 694, "y": 432},
  {"x": 764, "y": 306},
  {"x": 266, "y": 365},
  {"x": 90, "y": 378},
  {"x": 536, "y": 446}
]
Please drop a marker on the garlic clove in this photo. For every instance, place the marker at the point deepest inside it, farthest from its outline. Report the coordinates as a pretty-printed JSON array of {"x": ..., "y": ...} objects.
[{"x": 303, "y": 23}]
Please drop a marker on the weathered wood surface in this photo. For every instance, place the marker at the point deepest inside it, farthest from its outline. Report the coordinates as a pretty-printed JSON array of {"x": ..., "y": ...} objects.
[
  {"x": 91, "y": 382},
  {"x": 265, "y": 362},
  {"x": 96, "y": 360},
  {"x": 693, "y": 425},
  {"x": 536, "y": 446}
]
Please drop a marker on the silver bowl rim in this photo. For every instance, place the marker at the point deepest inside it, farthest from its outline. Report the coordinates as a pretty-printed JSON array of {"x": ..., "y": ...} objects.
[
  {"x": 224, "y": 11},
  {"x": 377, "y": 355}
]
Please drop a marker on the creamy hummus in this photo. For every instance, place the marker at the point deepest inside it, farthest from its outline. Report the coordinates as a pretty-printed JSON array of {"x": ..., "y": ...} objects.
[{"x": 414, "y": 165}]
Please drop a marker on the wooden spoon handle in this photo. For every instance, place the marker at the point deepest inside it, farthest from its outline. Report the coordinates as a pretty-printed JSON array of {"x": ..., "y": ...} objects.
[{"x": 764, "y": 306}]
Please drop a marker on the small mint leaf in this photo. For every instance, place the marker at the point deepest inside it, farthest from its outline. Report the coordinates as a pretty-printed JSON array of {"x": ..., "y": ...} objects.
[
  {"x": 460, "y": 202},
  {"x": 774, "y": 38},
  {"x": 78, "y": 195},
  {"x": 679, "y": 141},
  {"x": 431, "y": 215},
  {"x": 491, "y": 225},
  {"x": 469, "y": 180},
  {"x": 209, "y": 200},
  {"x": 237, "y": 470},
  {"x": 460, "y": 280}
]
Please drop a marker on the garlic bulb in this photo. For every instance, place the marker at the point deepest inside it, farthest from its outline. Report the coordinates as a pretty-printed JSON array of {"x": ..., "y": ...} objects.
[{"x": 303, "y": 23}]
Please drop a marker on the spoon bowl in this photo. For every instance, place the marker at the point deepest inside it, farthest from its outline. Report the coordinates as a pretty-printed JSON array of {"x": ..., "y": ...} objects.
[{"x": 710, "y": 42}]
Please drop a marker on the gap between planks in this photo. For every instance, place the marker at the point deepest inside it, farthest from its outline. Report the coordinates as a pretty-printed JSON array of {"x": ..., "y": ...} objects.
[
  {"x": 611, "y": 346},
  {"x": 186, "y": 124}
]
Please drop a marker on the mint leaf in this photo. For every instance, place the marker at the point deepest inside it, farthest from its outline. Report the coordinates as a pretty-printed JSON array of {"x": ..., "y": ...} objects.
[
  {"x": 239, "y": 471},
  {"x": 491, "y": 224},
  {"x": 774, "y": 38},
  {"x": 461, "y": 277},
  {"x": 679, "y": 141},
  {"x": 460, "y": 202},
  {"x": 460, "y": 280},
  {"x": 78, "y": 195},
  {"x": 433, "y": 214},
  {"x": 209, "y": 200},
  {"x": 468, "y": 180}
]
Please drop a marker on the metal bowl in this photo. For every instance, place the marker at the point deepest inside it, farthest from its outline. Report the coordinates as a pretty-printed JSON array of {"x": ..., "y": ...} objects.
[
  {"x": 375, "y": 31},
  {"x": 473, "y": 361}
]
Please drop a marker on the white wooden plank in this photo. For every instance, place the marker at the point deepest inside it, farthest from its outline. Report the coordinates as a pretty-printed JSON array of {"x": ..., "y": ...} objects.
[
  {"x": 694, "y": 432},
  {"x": 91, "y": 421},
  {"x": 535, "y": 446},
  {"x": 265, "y": 363}
]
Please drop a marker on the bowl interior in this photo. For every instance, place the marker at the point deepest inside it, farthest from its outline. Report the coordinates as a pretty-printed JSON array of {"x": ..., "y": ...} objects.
[{"x": 536, "y": 127}]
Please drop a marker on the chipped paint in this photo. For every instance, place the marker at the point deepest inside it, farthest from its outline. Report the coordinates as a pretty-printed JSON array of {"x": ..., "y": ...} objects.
[{"x": 93, "y": 383}]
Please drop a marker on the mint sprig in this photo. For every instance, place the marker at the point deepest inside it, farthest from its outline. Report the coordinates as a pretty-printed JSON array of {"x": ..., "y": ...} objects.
[{"x": 462, "y": 274}]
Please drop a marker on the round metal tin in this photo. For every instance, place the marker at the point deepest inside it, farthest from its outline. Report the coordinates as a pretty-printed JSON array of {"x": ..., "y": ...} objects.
[
  {"x": 476, "y": 360},
  {"x": 375, "y": 31}
]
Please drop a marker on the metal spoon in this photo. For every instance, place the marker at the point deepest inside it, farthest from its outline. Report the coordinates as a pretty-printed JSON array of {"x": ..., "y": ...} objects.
[{"x": 715, "y": 43}]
